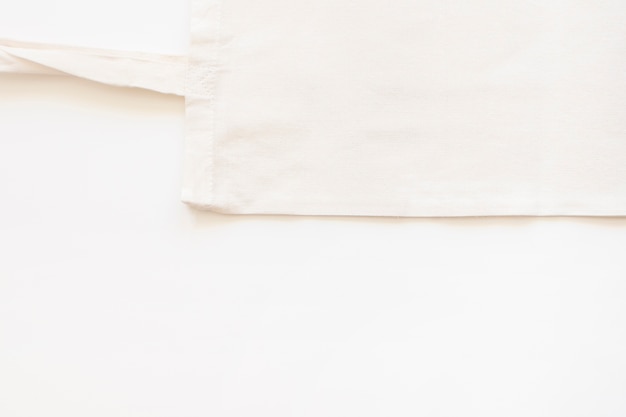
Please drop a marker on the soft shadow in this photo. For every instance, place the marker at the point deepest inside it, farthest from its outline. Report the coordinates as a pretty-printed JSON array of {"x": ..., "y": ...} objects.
[
  {"x": 74, "y": 91},
  {"x": 207, "y": 219}
]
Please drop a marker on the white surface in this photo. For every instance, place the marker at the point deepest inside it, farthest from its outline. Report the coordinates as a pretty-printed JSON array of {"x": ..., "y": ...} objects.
[{"x": 115, "y": 302}]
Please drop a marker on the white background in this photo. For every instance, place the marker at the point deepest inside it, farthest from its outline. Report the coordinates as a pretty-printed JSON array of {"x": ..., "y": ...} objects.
[{"x": 118, "y": 300}]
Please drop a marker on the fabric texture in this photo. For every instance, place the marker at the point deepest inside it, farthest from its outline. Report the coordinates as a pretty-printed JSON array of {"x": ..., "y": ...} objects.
[
  {"x": 161, "y": 73},
  {"x": 407, "y": 108}
]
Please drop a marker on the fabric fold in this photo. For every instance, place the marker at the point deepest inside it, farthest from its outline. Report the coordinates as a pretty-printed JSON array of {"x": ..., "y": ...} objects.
[{"x": 161, "y": 73}]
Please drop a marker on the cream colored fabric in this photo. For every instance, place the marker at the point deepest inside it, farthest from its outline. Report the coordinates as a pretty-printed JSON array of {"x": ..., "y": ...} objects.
[
  {"x": 404, "y": 107},
  {"x": 165, "y": 74}
]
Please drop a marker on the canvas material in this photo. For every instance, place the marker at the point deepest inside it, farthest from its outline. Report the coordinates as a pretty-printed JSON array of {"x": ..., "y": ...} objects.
[
  {"x": 161, "y": 73},
  {"x": 407, "y": 108}
]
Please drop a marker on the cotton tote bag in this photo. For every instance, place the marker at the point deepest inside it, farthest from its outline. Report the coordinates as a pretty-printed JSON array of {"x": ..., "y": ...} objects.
[{"x": 396, "y": 108}]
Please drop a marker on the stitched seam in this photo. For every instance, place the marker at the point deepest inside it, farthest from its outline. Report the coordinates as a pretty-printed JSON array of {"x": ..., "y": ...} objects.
[
  {"x": 212, "y": 90},
  {"x": 201, "y": 85}
]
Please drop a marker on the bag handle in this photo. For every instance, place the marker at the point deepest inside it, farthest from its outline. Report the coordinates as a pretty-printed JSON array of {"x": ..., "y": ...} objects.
[{"x": 162, "y": 73}]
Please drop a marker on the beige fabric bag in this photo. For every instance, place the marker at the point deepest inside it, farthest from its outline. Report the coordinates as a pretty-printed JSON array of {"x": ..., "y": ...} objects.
[{"x": 397, "y": 108}]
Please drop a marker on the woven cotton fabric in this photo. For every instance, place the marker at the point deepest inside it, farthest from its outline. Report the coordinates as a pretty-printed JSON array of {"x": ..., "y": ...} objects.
[{"x": 403, "y": 108}]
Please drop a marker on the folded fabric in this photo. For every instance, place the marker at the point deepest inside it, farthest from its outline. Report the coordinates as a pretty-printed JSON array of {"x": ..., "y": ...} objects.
[{"x": 401, "y": 108}]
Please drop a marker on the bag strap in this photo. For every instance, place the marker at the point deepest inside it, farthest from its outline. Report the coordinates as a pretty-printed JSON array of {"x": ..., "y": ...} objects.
[{"x": 162, "y": 73}]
